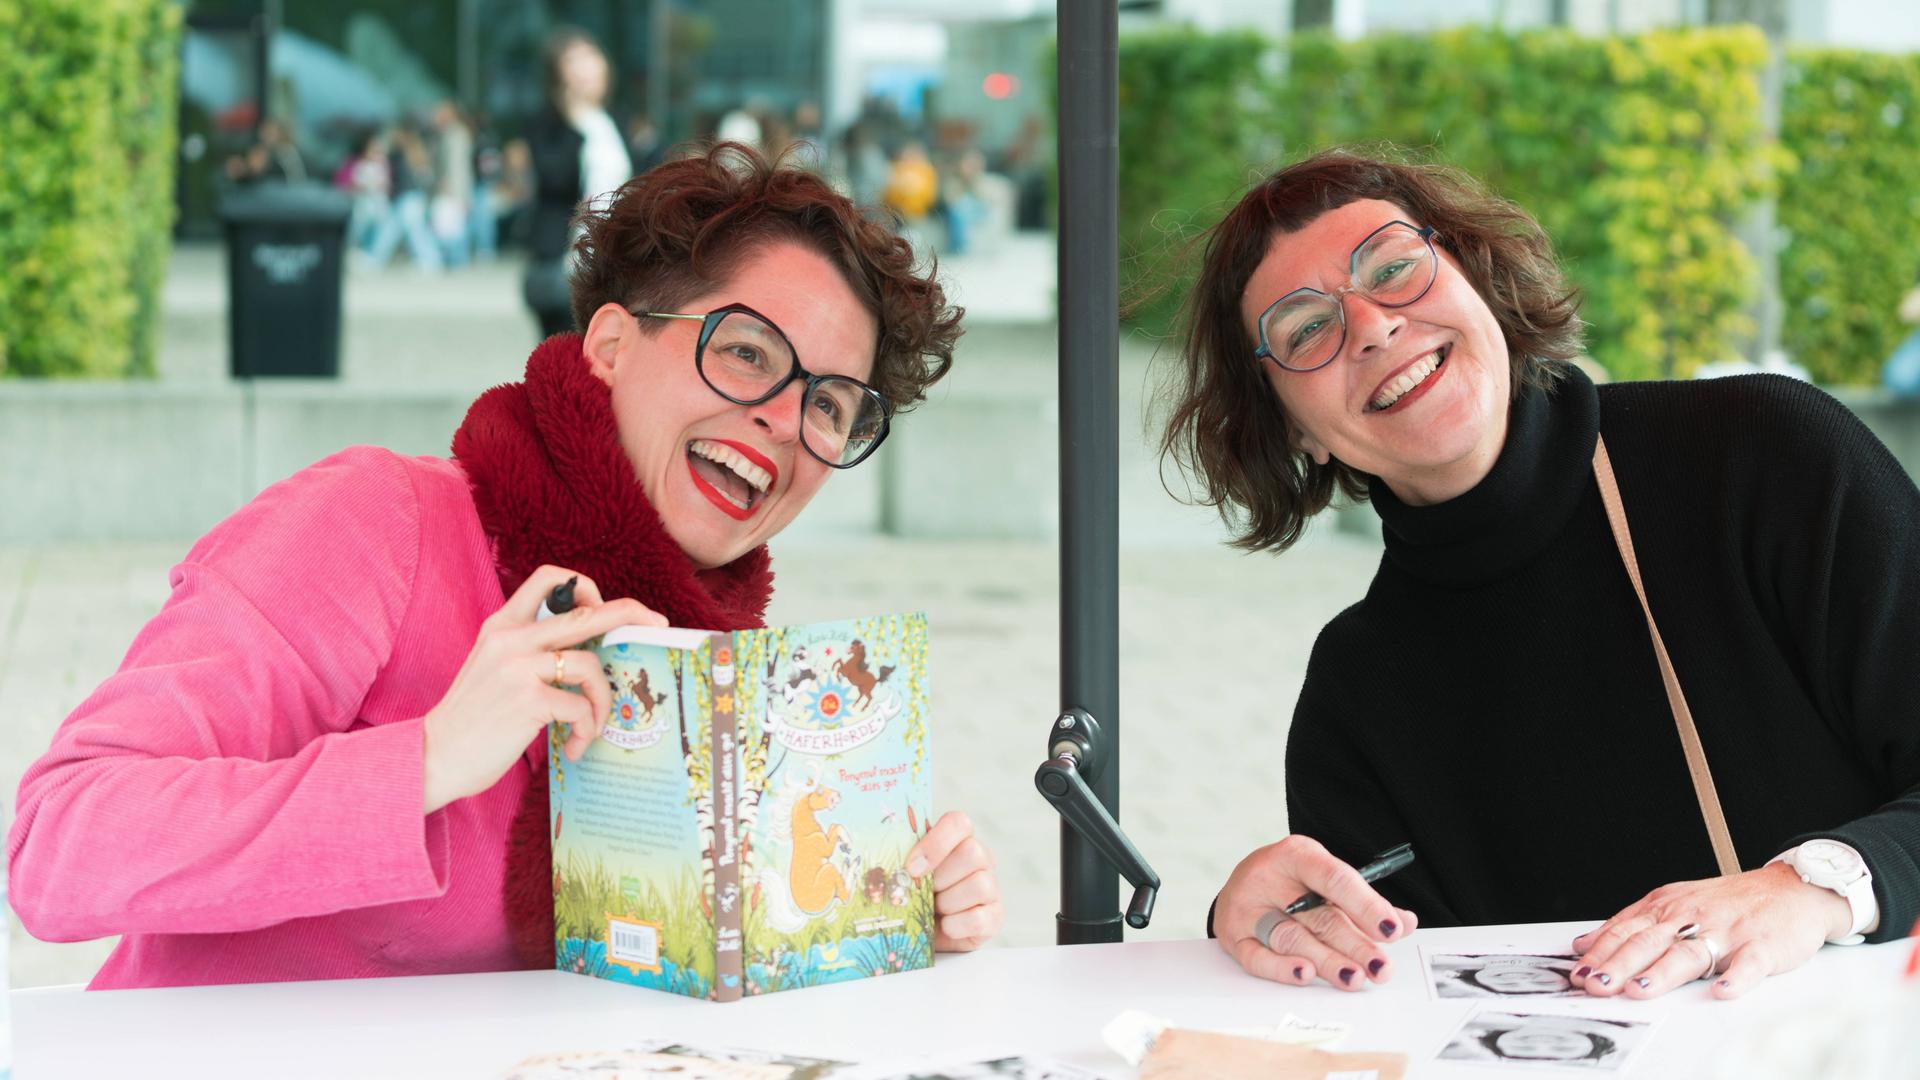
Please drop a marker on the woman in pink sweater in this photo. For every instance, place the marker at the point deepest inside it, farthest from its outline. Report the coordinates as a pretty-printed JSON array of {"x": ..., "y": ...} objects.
[{"x": 325, "y": 757}]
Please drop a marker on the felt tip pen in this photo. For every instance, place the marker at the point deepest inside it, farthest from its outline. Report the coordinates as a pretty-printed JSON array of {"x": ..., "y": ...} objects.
[
  {"x": 559, "y": 601},
  {"x": 1387, "y": 862}
]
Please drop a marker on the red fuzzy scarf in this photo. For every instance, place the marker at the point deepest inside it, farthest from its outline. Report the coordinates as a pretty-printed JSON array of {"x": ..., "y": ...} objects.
[{"x": 553, "y": 485}]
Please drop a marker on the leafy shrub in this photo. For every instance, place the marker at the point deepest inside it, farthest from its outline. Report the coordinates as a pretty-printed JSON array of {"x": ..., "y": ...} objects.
[
  {"x": 1851, "y": 209},
  {"x": 87, "y": 101}
]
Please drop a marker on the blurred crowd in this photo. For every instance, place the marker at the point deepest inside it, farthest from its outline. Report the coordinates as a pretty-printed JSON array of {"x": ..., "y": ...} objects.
[{"x": 439, "y": 189}]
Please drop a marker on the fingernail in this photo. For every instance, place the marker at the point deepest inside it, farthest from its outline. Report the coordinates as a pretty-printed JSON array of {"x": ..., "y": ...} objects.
[
  {"x": 1725, "y": 984},
  {"x": 1585, "y": 970},
  {"x": 1603, "y": 979},
  {"x": 1300, "y": 972},
  {"x": 1388, "y": 928},
  {"x": 1643, "y": 982},
  {"x": 1374, "y": 965},
  {"x": 916, "y": 866},
  {"x": 1346, "y": 976}
]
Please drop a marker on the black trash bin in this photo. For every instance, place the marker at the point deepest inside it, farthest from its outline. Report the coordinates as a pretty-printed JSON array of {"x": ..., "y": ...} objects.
[{"x": 284, "y": 248}]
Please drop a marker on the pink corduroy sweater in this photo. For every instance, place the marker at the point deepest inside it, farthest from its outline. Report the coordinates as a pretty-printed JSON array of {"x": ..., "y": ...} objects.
[{"x": 242, "y": 798}]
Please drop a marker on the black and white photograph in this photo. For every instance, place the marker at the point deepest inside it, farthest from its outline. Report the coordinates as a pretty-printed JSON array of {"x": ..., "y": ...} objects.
[
  {"x": 1501, "y": 975},
  {"x": 1561, "y": 1040},
  {"x": 1017, "y": 1068}
]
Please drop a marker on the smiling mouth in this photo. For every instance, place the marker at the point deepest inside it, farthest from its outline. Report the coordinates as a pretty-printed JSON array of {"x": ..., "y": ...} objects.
[
  {"x": 1411, "y": 379},
  {"x": 729, "y": 477}
]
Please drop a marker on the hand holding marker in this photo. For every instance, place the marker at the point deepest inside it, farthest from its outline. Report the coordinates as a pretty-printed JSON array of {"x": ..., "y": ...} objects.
[{"x": 1387, "y": 862}]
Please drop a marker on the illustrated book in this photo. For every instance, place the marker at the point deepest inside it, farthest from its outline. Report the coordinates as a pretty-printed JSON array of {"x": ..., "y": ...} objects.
[{"x": 741, "y": 826}]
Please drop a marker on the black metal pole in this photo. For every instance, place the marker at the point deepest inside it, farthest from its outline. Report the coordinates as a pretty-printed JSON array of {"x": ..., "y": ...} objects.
[{"x": 1090, "y": 435}]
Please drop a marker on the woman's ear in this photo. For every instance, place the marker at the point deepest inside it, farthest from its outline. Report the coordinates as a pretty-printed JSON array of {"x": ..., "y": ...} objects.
[
  {"x": 1304, "y": 442},
  {"x": 606, "y": 335}
]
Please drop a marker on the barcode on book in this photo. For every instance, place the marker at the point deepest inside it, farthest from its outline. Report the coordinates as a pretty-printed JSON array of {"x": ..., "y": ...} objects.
[{"x": 634, "y": 944}]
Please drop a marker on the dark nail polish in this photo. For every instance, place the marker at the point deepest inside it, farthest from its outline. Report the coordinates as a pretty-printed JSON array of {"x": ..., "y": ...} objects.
[
  {"x": 1388, "y": 928},
  {"x": 1643, "y": 982},
  {"x": 1374, "y": 965},
  {"x": 1346, "y": 976},
  {"x": 1603, "y": 979},
  {"x": 1299, "y": 972},
  {"x": 1725, "y": 984},
  {"x": 1585, "y": 970}
]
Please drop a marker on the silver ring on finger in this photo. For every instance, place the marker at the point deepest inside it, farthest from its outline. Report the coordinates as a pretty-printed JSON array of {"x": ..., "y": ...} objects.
[
  {"x": 1713, "y": 956},
  {"x": 1263, "y": 929}
]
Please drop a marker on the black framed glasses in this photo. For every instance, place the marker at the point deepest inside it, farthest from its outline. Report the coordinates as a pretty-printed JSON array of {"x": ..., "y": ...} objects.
[
  {"x": 745, "y": 358},
  {"x": 1393, "y": 267}
]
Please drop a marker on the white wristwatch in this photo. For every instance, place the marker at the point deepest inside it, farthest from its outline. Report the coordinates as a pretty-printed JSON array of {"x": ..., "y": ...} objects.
[{"x": 1830, "y": 864}]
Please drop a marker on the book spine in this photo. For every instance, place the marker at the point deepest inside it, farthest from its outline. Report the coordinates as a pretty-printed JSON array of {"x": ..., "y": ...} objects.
[{"x": 728, "y": 965}]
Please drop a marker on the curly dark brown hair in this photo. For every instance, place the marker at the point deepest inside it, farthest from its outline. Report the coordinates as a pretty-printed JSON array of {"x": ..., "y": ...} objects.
[
  {"x": 1226, "y": 427},
  {"x": 673, "y": 232}
]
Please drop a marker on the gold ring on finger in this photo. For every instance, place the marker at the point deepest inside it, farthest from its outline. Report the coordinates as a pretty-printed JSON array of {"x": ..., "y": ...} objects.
[{"x": 559, "y": 668}]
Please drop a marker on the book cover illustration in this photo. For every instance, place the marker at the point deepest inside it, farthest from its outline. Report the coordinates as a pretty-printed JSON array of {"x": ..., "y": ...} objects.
[{"x": 742, "y": 824}]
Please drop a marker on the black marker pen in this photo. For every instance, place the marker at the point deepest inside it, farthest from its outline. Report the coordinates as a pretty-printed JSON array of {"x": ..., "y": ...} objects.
[
  {"x": 1385, "y": 863},
  {"x": 559, "y": 601}
]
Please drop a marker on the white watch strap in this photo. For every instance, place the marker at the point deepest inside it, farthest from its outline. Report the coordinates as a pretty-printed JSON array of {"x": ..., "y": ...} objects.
[{"x": 1858, "y": 894}]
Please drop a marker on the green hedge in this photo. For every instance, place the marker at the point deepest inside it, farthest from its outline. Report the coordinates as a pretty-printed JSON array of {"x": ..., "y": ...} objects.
[
  {"x": 1187, "y": 149},
  {"x": 87, "y": 105},
  {"x": 1851, "y": 210},
  {"x": 1636, "y": 153}
]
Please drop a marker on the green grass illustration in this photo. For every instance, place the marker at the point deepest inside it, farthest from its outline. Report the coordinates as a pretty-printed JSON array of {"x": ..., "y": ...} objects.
[
  {"x": 587, "y": 892},
  {"x": 780, "y": 954}
]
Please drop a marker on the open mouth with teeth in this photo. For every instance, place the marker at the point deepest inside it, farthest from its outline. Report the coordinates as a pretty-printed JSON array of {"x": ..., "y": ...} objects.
[
  {"x": 733, "y": 476},
  {"x": 1413, "y": 380}
]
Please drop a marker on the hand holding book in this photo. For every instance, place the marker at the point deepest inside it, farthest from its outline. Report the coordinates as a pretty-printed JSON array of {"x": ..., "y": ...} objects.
[
  {"x": 966, "y": 895},
  {"x": 508, "y": 689}
]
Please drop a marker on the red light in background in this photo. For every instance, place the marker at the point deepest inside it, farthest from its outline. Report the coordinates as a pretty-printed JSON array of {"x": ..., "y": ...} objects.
[{"x": 999, "y": 86}]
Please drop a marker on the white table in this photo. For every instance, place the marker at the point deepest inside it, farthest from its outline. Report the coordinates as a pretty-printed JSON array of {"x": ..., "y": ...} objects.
[{"x": 1047, "y": 1001}]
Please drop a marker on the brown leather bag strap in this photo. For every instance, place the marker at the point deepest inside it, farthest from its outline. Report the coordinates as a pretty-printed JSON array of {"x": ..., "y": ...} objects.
[{"x": 1703, "y": 790}]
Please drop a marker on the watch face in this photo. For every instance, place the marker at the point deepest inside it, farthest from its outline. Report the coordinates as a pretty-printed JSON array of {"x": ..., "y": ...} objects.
[{"x": 1827, "y": 860}]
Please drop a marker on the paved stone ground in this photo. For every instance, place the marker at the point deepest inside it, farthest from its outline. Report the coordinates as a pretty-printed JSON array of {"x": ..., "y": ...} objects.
[{"x": 1213, "y": 643}]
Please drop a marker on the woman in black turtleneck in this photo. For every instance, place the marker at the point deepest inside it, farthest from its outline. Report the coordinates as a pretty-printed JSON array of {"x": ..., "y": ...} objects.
[{"x": 1396, "y": 333}]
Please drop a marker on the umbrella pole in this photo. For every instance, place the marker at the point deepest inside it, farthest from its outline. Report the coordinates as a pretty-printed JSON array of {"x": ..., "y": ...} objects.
[{"x": 1089, "y": 439}]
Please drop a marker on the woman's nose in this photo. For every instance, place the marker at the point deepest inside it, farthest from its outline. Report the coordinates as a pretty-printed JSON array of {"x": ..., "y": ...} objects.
[
  {"x": 780, "y": 414},
  {"x": 1370, "y": 327}
]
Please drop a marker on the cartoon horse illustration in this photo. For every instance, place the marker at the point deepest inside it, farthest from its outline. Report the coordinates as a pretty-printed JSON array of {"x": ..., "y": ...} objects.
[
  {"x": 648, "y": 699},
  {"x": 853, "y": 668},
  {"x": 822, "y": 868}
]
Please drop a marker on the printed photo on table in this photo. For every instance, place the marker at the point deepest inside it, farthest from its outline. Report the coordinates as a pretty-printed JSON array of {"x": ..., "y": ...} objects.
[
  {"x": 1556, "y": 1039},
  {"x": 1501, "y": 975}
]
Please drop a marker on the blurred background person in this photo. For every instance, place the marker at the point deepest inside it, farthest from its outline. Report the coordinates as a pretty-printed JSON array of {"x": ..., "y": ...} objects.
[
  {"x": 410, "y": 168},
  {"x": 512, "y": 193},
  {"x": 451, "y": 206},
  {"x": 368, "y": 178},
  {"x": 645, "y": 145},
  {"x": 865, "y": 164},
  {"x": 273, "y": 156},
  {"x": 912, "y": 183},
  {"x": 577, "y": 154},
  {"x": 483, "y": 217}
]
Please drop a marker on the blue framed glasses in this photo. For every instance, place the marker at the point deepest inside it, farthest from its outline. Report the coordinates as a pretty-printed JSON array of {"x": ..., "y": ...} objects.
[{"x": 1393, "y": 267}]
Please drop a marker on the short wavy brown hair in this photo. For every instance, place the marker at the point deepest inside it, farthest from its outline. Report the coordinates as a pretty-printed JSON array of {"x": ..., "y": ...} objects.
[
  {"x": 1225, "y": 426},
  {"x": 673, "y": 232}
]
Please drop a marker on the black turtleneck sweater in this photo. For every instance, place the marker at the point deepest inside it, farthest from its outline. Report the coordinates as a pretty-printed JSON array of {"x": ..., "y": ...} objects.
[{"x": 1495, "y": 699}]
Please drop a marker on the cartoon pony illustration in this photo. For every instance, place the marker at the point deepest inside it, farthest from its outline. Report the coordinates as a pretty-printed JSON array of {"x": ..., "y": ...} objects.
[
  {"x": 646, "y": 697},
  {"x": 823, "y": 870},
  {"x": 853, "y": 668}
]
